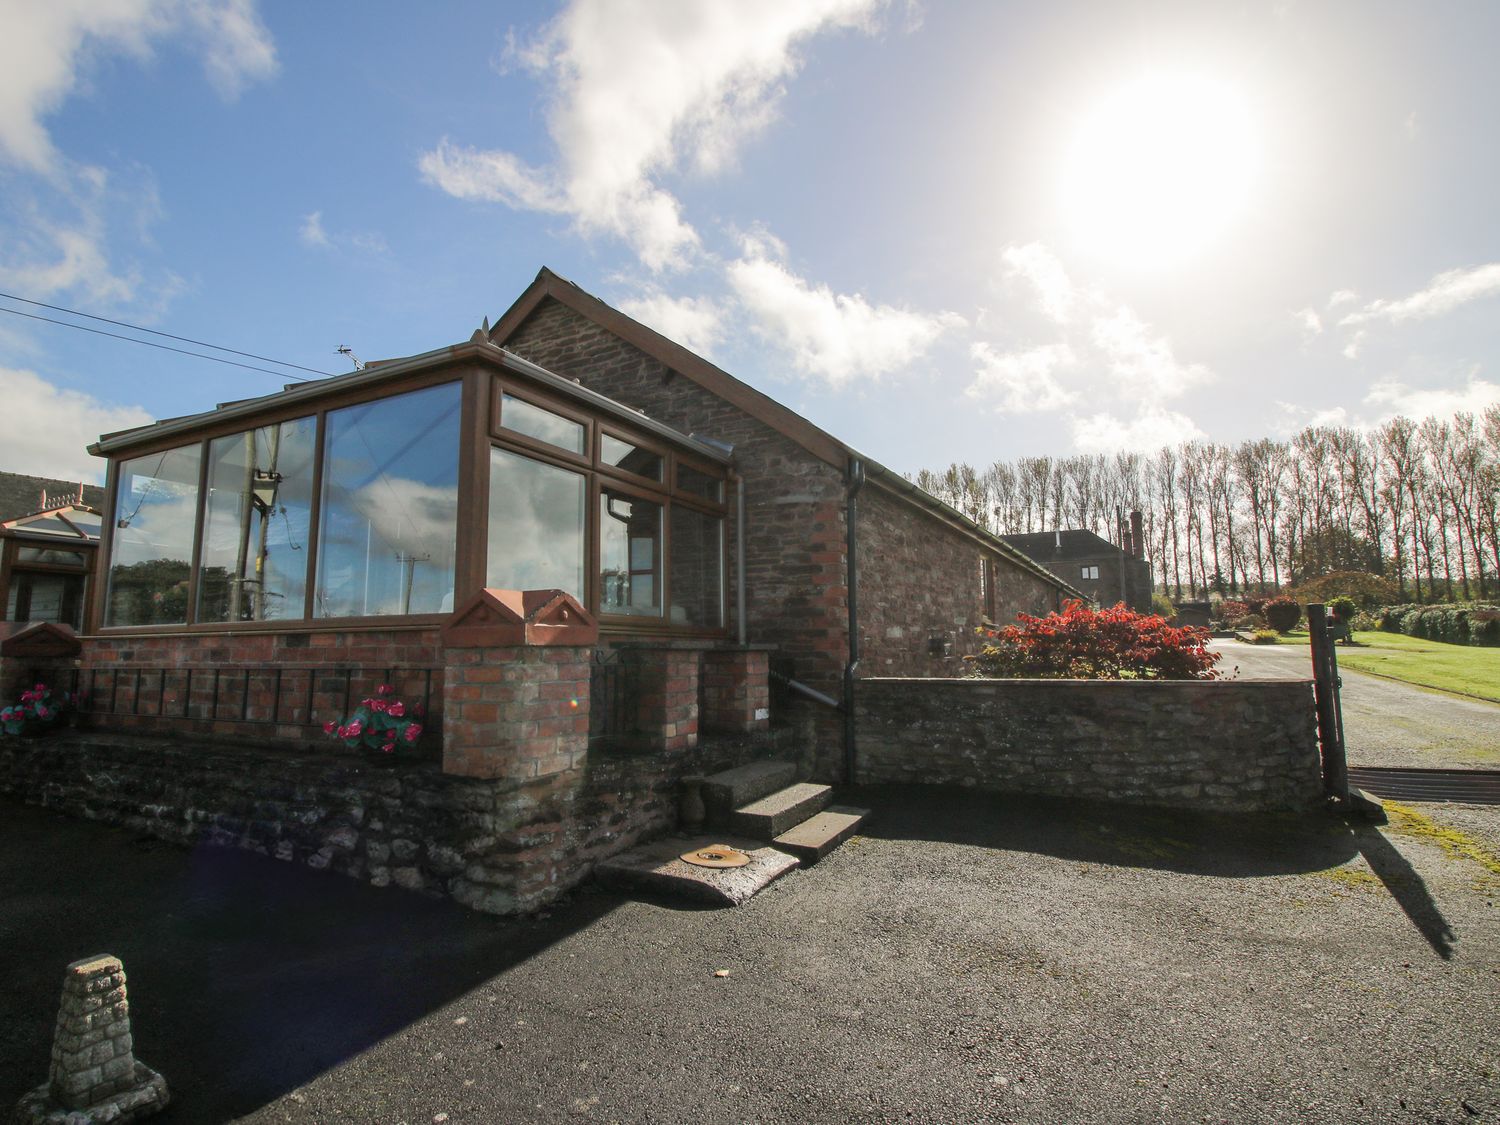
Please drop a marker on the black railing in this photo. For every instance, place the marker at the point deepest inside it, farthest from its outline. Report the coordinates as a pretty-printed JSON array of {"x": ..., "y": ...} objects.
[{"x": 295, "y": 695}]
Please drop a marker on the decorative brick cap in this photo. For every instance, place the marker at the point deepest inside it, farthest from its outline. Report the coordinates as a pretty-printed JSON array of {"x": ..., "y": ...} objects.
[
  {"x": 45, "y": 638},
  {"x": 494, "y": 618}
]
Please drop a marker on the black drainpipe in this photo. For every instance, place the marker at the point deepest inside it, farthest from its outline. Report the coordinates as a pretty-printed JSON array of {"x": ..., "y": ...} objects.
[{"x": 856, "y": 481}]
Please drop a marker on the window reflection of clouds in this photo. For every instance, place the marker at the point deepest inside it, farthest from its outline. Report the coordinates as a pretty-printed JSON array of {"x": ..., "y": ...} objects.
[
  {"x": 629, "y": 554},
  {"x": 536, "y": 531},
  {"x": 390, "y": 506},
  {"x": 155, "y": 516}
]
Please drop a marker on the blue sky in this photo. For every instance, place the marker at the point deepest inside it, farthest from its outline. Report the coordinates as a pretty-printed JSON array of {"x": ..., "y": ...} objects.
[{"x": 943, "y": 231}]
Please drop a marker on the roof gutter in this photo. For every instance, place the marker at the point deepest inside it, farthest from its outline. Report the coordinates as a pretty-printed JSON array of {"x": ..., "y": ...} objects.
[{"x": 375, "y": 374}]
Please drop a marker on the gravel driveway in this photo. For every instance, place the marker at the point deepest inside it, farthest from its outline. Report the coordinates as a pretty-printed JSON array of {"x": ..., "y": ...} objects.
[
  {"x": 1386, "y": 723},
  {"x": 973, "y": 958}
]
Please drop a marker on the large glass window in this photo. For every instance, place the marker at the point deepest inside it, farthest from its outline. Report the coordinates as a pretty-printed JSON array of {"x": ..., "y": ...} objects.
[
  {"x": 630, "y": 542},
  {"x": 253, "y": 565},
  {"x": 45, "y": 597},
  {"x": 390, "y": 506},
  {"x": 156, "y": 508},
  {"x": 536, "y": 525},
  {"x": 697, "y": 553}
]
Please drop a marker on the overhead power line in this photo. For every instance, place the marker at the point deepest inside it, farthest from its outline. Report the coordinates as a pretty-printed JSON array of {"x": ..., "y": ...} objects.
[{"x": 154, "y": 332}]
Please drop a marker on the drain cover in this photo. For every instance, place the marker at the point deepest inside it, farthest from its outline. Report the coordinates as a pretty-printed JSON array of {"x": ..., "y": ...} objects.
[{"x": 716, "y": 855}]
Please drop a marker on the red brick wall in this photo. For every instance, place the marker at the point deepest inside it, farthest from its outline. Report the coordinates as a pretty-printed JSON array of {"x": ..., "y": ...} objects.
[
  {"x": 123, "y": 678},
  {"x": 919, "y": 579},
  {"x": 515, "y": 711}
]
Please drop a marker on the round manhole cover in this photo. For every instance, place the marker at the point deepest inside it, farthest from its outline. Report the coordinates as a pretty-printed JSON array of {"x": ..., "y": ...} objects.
[{"x": 716, "y": 855}]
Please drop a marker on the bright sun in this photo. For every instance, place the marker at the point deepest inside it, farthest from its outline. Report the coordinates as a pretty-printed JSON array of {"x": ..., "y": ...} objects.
[{"x": 1158, "y": 170}]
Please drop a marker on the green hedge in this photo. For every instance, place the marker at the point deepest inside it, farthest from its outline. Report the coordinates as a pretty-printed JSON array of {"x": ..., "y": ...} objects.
[{"x": 1466, "y": 623}]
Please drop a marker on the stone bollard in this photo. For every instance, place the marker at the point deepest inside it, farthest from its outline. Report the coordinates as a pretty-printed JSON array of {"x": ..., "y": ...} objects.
[{"x": 94, "y": 1074}]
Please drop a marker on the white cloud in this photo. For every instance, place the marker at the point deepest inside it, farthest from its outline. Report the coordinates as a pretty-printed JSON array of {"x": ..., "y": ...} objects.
[
  {"x": 55, "y": 240},
  {"x": 1141, "y": 361},
  {"x": 1341, "y": 297},
  {"x": 1021, "y": 382},
  {"x": 694, "y": 322},
  {"x": 1149, "y": 430},
  {"x": 1296, "y": 417},
  {"x": 1040, "y": 266},
  {"x": 47, "y": 49},
  {"x": 47, "y": 427},
  {"x": 1393, "y": 397},
  {"x": 1446, "y": 292},
  {"x": 312, "y": 232},
  {"x": 639, "y": 90},
  {"x": 836, "y": 336},
  {"x": 1353, "y": 344},
  {"x": 1310, "y": 321}
]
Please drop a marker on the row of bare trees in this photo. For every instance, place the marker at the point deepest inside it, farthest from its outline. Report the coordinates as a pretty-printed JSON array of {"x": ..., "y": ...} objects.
[{"x": 1416, "y": 502}]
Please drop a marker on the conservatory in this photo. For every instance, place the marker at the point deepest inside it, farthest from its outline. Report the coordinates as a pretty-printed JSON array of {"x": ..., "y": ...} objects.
[{"x": 389, "y": 496}]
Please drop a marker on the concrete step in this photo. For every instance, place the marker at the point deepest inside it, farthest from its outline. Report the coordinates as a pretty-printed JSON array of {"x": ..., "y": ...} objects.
[
  {"x": 727, "y": 791},
  {"x": 771, "y": 816},
  {"x": 815, "y": 837}
]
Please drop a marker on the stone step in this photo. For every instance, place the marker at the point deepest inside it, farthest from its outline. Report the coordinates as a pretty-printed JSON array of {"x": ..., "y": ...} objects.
[
  {"x": 727, "y": 791},
  {"x": 658, "y": 868},
  {"x": 815, "y": 837},
  {"x": 771, "y": 816}
]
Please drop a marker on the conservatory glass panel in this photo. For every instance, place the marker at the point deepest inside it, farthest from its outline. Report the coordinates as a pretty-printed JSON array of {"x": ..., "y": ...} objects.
[
  {"x": 537, "y": 532},
  {"x": 151, "y": 560},
  {"x": 697, "y": 568},
  {"x": 519, "y": 415},
  {"x": 254, "y": 559},
  {"x": 389, "y": 515},
  {"x": 630, "y": 542},
  {"x": 691, "y": 481},
  {"x": 629, "y": 458}
]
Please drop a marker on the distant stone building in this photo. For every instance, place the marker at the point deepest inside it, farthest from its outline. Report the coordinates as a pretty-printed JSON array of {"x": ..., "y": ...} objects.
[{"x": 1105, "y": 572}]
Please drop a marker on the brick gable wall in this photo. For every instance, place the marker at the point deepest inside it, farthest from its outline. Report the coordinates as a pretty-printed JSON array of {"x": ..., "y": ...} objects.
[{"x": 794, "y": 503}]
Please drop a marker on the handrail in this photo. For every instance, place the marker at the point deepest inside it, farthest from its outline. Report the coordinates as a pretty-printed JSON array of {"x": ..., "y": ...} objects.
[{"x": 810, "y": 692}]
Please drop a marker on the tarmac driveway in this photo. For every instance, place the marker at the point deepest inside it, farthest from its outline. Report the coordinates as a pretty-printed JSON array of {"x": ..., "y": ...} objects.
[
  {"x": 972, "y": 958},
  {"x": 1386, "y": 723}
]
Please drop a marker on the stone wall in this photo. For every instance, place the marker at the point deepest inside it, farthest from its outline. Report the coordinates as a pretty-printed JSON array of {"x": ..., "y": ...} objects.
[
  {"x": 1229, "y": 745},
  {"x": 919, "y": 579},
  {"x": 502, "y": 845}
]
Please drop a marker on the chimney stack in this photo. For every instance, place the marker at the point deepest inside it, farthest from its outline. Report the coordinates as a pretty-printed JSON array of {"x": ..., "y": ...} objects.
[{"x": 1137, "y": 535}]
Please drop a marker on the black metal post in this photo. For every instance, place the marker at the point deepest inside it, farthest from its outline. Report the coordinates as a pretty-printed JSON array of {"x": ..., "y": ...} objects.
[{"x": 1330, "y": 714}]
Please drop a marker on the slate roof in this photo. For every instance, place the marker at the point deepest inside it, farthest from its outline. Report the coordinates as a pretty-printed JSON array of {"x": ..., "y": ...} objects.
[{"x": 1075, "y": 544}]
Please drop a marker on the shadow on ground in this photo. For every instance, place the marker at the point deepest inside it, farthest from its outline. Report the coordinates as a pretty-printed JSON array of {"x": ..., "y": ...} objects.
[
  {"x": 1225, "y": 844},
  {"x": 247, "y": 977}
]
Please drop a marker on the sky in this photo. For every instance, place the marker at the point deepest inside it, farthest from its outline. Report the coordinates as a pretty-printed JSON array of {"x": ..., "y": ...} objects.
[{"x": 942, "y": 231}]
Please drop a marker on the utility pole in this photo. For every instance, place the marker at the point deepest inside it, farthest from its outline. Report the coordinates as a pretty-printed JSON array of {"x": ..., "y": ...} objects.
[{"x": 410, "y": 563}]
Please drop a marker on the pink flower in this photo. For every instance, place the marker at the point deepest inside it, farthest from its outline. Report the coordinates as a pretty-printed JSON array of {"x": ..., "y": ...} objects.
[
  {"x": 41, "y": 711},
  {"x": 389, "y": 747},
  {"x": 413, "y": 732},
  {"x": 330, "y": 726},
  {"x": 396, "y": 709},
  {"x": 355, "y": 728},
  {"x": 377, "y": 705},
  {"x": 384, "y": 689}
]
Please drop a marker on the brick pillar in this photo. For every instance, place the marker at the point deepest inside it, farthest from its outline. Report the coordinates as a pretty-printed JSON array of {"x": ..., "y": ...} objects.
[
  {"x": 516, "y": 685},
  {"x": 666, "y": 687},
  {"x": 737, "y": 689}
]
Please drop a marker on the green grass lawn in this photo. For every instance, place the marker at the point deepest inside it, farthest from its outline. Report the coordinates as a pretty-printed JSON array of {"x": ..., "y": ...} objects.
[{"x": 1461, "y": 668}]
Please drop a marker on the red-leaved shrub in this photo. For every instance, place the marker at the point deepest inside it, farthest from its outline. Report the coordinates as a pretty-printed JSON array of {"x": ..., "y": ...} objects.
[{"x": 1104, "y": 644}]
